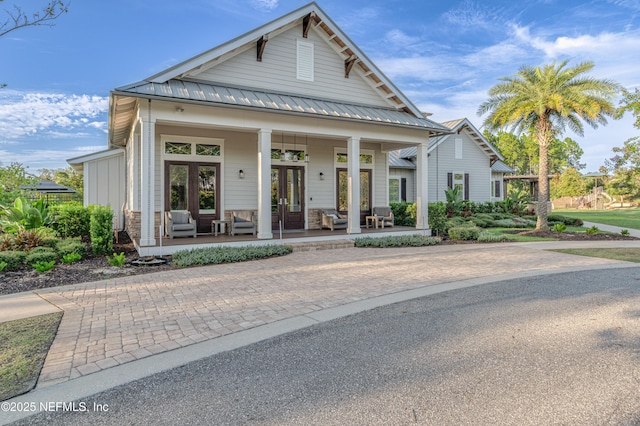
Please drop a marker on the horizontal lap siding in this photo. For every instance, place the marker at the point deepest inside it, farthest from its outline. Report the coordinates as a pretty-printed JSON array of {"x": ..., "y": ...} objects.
[
  {"x": 277, "y": 71},
  {"x": 474, "y": 162}
]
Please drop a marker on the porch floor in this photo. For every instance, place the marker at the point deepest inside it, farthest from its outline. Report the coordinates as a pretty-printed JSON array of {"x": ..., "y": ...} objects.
[{"x": 293, "y": 236}]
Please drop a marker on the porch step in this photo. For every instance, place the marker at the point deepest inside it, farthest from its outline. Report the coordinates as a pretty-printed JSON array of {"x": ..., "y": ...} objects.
[{"x": 322, "y": 245}]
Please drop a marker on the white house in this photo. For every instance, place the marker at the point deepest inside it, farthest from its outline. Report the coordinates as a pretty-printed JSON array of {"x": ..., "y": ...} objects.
[
  {"x": 286, "y": 120},
  {"x": 463, "y": 158}
]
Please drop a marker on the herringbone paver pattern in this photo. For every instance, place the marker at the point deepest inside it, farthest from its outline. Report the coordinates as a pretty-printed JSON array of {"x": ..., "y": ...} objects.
[{"x": 116, "y": 321}]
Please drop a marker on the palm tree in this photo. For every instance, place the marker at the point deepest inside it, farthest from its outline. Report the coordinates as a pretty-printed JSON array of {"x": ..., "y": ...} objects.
[{"x": 544, "y": 101}]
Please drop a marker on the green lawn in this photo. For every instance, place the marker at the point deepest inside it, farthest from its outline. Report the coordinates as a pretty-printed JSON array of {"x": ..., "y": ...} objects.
[
  {"x": 624, "y": 218},
  {"x": 626, "y": 254},
  {"x": 23, "y": 347}
]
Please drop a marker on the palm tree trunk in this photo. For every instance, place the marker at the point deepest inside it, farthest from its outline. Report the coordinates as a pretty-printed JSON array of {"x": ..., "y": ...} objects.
[{"x": 544, "y": 137}]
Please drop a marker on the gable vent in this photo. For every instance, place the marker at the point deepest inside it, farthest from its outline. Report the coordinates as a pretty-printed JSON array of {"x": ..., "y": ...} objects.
[{"x": 305, "y": 61}]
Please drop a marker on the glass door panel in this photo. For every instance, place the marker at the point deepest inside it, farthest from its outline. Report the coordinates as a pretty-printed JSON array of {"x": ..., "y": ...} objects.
[
  {"x": 294, "y": 190},
  {"x": 179, "y": 184},
  {"x": 207, "y": 189},
  {"x": 365, "y": 193}
]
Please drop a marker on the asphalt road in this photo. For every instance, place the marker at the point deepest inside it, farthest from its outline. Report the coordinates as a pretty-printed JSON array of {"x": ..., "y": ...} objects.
[{"x": 559, "y": 349}]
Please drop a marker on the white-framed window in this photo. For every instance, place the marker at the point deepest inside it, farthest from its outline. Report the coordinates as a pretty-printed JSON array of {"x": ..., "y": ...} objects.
[
  {"x": 458, "y": 149},
  {"x": 304, "y": 61},
  {"x": 458, "y": 181},
  {"x": 366, "y": 158},
  {"x": 395, "y": 189},
  {"x": 191, "y": 148}
]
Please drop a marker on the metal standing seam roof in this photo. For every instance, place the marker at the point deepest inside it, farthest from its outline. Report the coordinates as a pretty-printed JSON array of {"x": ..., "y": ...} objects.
[
  {"x": 500, "y": 167},
  {"x": 252, "y": 98},
  {"x": 398, "y": 162}
]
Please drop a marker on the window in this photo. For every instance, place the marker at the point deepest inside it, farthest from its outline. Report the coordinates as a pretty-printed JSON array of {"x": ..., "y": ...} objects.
[
  {"x": 341, "y": 157},
  {"x": 213, "y": 150},
  {"x": 394, "y": 190},
  {"x": 459, "y": 180},
  {"x": 305, "y": 61},
  {"x": 495, "y": 189},
  {"x": 458, "y": 149},
  {"x": 177, "y": 148}
]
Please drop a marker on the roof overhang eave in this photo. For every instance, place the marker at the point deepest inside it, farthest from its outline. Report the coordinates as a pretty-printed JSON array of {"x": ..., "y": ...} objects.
[{"x": 433, "y": 131}]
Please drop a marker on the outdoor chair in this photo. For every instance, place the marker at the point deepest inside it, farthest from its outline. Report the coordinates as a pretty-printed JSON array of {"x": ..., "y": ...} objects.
[
  {"x": 180, "y": 224},
  {"x": 384, "y": 215},
  {"x": 333, "y": 220},
  {"x": 243, "y": 222}
]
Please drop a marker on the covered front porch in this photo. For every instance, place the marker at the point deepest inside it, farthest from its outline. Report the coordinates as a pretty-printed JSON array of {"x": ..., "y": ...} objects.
[{"x": 167, "y": 246}]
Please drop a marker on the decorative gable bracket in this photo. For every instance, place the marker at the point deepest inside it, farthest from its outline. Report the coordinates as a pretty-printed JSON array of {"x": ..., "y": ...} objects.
[
  {"x": 348, "y": 64},
  {"x": 260, "y": 46},
  {"x": 306, "y": 23}
]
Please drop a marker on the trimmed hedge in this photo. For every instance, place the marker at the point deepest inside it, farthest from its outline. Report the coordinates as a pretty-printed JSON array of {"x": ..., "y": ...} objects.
[
  {"x": 71, "y": 219},
  {"x": 397, "y": 241},
  {"x": 65, "y": 247},
  {"x": 41, "y": 255},
  {"x": 12, "y": 258},
  {"x": 217, "y": 255},
  {"x": 569, "y": 221},
  {"x": 465, "y": 233},
  {"x": 101, "y": 230}
]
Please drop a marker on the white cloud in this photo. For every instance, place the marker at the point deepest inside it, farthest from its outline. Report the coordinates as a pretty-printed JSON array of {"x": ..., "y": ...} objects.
[
  {"x": 265, "y": 4},
  {"x": 29, "y": 114}
]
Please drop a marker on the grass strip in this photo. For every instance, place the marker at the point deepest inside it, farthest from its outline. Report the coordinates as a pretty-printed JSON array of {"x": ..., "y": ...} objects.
[
  {"x": 625, "y": 254},
  {"x": 24, "y": 344}
]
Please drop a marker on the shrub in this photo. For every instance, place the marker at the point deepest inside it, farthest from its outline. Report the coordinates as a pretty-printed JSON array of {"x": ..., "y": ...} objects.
[
  {"x": 41, "y": 254},
  {"x": 402, "y": 213},
  {"x": 465, "y": 233},
  {"x": 101, "y": 225},
  {"x": 624, "y": 231},
  {"x": 25, "y": 240},
  {"x": 49, "y": 242},
  {"x": 8, "y": 242},
  {"x": 71, "y": 246},
  {"x": 569, "y": 221},
  {"x": 559, "y": 227},
  {"x": 438, "y": 217},
  {"x": 117, "y": 260},
  {"x": 24, "y": 215},
  {"x": 216, "y": 255},
  {"x": 511, "y": 223},
  {"x": 71, "y": 257},
  {"x": 397, "y": 241},
  {"x": 13, "y": 259},
  {"x": 43, "y": 267},
  {"x": 593, "y": 230},
  {"x": 71, "y": 219},
  {"x": 489, "y": 237},
  {"x": 3, "y": 266}
]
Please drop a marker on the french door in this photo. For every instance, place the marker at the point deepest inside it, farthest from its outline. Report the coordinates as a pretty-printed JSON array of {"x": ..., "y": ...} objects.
[
  {"x": 194, "y": 187},
  {"x": 343, "y": 195},
  {"x": 287, "y": 197}
]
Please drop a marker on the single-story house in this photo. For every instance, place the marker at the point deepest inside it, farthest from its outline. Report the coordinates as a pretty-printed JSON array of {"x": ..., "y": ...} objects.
[
  {"x": 463, "y": 158},
  {"x": 284, "y": 121}
]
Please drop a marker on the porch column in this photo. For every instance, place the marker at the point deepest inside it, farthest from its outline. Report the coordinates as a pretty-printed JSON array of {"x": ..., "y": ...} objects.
[
  {"x": 422, "y": 185},
  {"x": 264, "y": 184},
  {"x": 353, "y": 185},
  {"x": 147, "y": 178}
]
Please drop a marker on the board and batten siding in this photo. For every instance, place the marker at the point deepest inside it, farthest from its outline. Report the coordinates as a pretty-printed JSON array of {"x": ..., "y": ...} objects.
[
  {"x": 105, "y": 184},
  {"x": 278, "y": 70}
]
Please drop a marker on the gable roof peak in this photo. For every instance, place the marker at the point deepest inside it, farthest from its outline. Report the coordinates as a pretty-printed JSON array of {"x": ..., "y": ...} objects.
[{"x": 309, "y": 16}]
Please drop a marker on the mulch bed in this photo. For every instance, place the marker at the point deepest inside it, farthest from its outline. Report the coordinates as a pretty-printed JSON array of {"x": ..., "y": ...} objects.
[{"x": 96, "y": 268}]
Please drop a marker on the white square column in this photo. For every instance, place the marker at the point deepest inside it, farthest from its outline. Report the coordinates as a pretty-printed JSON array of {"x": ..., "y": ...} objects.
[
  {"x": 264, "y": 184},
  {"x": 147, "y": 178},
  {"x": 422, "y": 186},
  {"x": 353, "y": 185}
]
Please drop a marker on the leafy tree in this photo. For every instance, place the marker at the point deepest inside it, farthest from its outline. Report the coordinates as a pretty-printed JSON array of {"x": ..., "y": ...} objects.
[
  {"x": 67, "y": 177},
  {"x": 12, "y": 177},
  {"x": 18, "y": 18},
  {"x": 545, "y": 100},
  {"x": 568, "y": 184}
]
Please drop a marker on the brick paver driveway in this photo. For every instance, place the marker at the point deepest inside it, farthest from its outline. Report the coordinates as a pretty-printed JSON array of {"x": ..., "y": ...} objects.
[{"x": 115, "y": 321}]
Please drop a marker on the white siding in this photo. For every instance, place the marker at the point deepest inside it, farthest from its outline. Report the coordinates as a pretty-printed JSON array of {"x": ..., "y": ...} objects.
[
  {"x": 278, "y": 71},
  {"x": 474, "y": 162}
]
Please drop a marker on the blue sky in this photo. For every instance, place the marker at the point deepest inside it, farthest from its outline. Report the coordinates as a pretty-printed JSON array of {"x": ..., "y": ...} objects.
[{"x": 444, "y": 55}]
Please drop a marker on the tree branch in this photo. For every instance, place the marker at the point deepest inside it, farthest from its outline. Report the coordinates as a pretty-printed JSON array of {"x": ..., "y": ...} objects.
[{"x": 18, "y": 18}]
